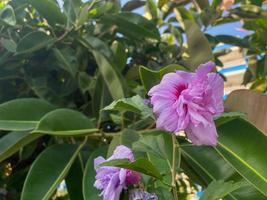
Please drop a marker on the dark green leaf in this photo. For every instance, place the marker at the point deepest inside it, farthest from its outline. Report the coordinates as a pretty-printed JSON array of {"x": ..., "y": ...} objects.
[
  {"x": 120, "y": 55},
  {"x": 243, "y": 153},
  {"x": 13, "y": 142},
  {"x": 49, "y": 10},
  {"x": 212, "y": 166},
  {"x": 89, "y": 191},
  {"x": 140, "y": 165},
  {"x": 48, "y": 170},
  {"x": 140, "y": 26},
  {"x": 227, "y": 39},
  {"x": 7, "y": 16},
  {"x": 150, "y": 77},
  {"x": 71, "y": 9},
  {"x": 65, "y": 122},
  {"x": 74, "y": 180},
  {"x": 219, "y": 189},
  {"x": 23, "y": 114},
  {"x": 34, "y": 41},
  {"x": 225, "y": 117},
  {"x": 104, "y": 59},
  {"x": 133, "y": 4},
  {"x": 67, "y": 61}
]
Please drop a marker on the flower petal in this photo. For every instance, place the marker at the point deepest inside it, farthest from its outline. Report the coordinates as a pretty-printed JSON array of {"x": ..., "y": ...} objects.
[
  {"x": 202, "y": 135},
  {"x": 204, "y": 69}
]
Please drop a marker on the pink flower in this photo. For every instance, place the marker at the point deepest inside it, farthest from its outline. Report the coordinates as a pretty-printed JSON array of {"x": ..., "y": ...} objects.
[
  {"x": 112, "y": 180},
  {"x": 189, "y": 101}
]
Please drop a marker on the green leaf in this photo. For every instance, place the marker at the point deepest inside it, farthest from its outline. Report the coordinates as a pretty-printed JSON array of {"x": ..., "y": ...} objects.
[
  {"x": 203, "y": 4},
  {"x": 132, "y": 4},
  {"x": 140, "y": 165},
  {"x": 34, "y": 41},
  {"x": 226, "y": 117},
  {"x": 48, "y": 170},
  {"x": 198, "y": 46},
  {"x": 74, "y": 180},
  {"x": 152, "y": 144},
  {"x": 71, "y": 9},
  {"x": 89, "y": 191},
  {"x": 7, "y": 16},
  {"x": 104, "y": 59},
  {"x": 158, "y": 146},
  {"x": 211, "y": 166},
  {"x": 9, "y": 44},
  {"x": 126, "y": 138},
  {"x": 151, "y": 7},
  {"x": 101, "y": 96},
  {"x": 66, "y": 61},
  {"x": 65, "y": 122},
  {"x": 49, "y": 10},
  {"x": 219, "y": 189},
  {"x": 134, "y": 104},
  {"x": 13, "y": 142},
  {"x": 23, "y": 114},
  {"x": 242, "y": 145},
  {"x": 140, "y": 27},
  {"x": 150, "y": 77},
  {"x": 120, "y": 55},
  {"x": 248, "y": 11},
  {"x": 228, "y": 39}
]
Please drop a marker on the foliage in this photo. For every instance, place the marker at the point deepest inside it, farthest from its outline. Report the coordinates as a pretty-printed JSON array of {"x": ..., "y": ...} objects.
[{"x": 62, "y": 67}]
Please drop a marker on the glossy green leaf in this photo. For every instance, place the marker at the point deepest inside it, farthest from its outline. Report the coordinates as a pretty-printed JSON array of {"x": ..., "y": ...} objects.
[
  {"x": 211, "y": 166},
  {"x": 48, "y": 170},
  {"x": 104, "y": 59},
  {"x": 243, "y": 153},
  {"x": 34, "y": 41},
  {"x": 49, "y": 10},
  {"x": 219, "y": 189},
  {"x": 140, "y": 165},
  {"x": 140, "y": 26},
  {"x": 150, "y": 77},
  {"x": 65, "y": 122},
  {"x": 226, "y": 117},
  {"x": 7, "y": 16},
  {"x": 13, "y": 142},
  {"x": 89, "y": 191},
  {"x": 23, "y": 114},
  {"x": 74, "y": 180},
  {"x": 198, "y": 46},
  {"x": 134, "y": 104},
  {"x": 66, "y": 61}
]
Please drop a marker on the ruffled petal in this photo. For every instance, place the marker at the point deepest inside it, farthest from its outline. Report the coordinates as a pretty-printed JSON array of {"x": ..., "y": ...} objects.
[
  {"x": 204, "y": 69},
  {"x": 202, "y": 135}
]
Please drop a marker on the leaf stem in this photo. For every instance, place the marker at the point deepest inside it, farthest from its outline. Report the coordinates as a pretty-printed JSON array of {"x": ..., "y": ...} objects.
[{"x": 174, "y": 152}]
